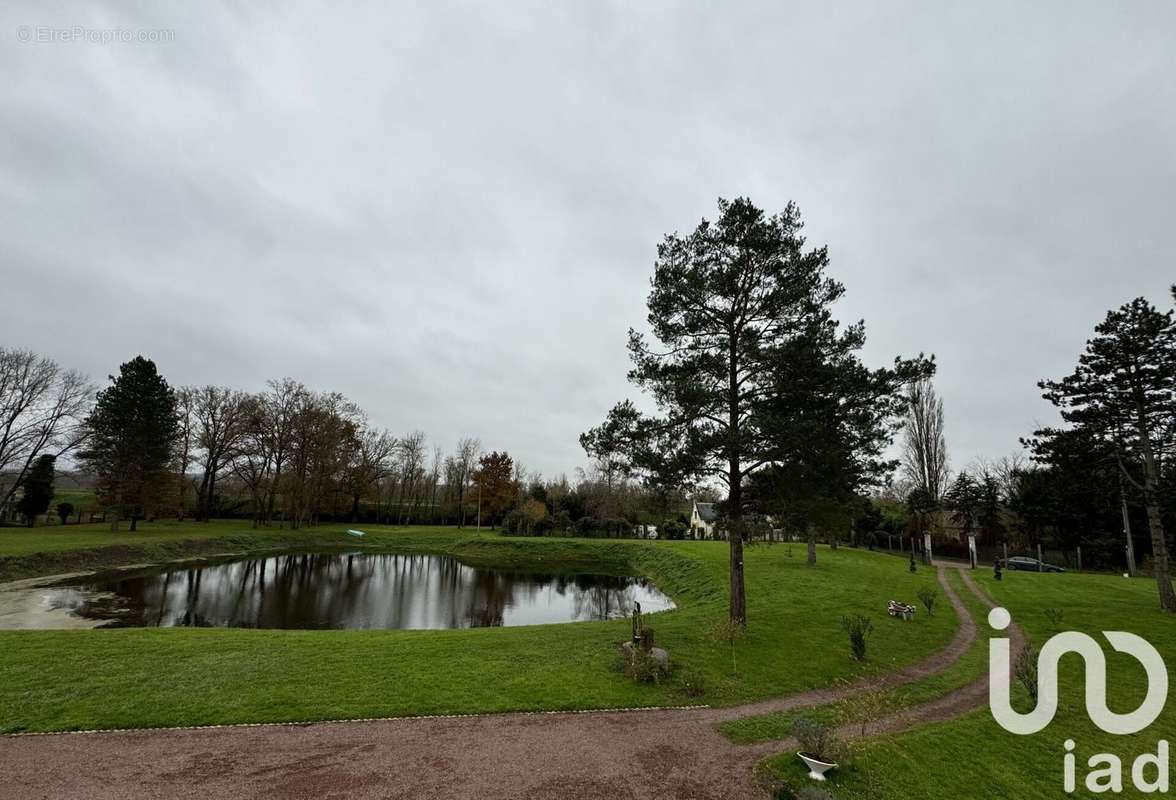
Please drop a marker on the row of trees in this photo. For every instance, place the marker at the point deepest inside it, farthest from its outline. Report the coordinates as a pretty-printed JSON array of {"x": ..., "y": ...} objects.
[
  {"x": 1119, "y": 405},
  {"x": 1095, "y": 481},
  {"x": 287, "y": 455},
  {"x": 757, "y": 387}
]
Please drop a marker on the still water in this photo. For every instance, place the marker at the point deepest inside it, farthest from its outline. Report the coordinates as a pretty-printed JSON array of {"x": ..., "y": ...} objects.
[{"x": 351, "y": 590}]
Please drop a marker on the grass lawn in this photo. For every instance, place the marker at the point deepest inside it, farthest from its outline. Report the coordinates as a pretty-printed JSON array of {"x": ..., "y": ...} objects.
[
  {"x": 972, "y": 665},
  {"x": 62, "y": 680},
  {"x": 973, "y": 757}
]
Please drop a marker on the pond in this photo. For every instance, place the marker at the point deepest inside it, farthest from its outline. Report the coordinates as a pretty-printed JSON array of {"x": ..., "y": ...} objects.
[{"x": 347, "y": 590}]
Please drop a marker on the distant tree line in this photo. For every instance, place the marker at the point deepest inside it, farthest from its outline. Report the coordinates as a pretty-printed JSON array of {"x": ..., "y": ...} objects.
[{"x": 286, "y": 456}]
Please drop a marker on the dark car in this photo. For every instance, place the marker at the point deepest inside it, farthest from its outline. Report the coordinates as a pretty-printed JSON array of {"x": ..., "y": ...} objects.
[{"x": 1027, "y": 564}]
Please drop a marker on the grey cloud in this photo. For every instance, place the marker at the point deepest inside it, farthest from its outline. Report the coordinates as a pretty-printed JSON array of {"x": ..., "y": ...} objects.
[{"x": 449, "y": 211}]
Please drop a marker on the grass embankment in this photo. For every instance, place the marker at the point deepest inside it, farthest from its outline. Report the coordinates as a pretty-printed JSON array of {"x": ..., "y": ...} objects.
[
  {"x": 973, "y": 757},
  {"x": 61, "y": 680}
]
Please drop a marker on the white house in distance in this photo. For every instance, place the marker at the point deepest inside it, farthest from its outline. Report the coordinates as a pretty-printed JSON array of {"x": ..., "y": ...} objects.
[{"x": 702, "y": 520}]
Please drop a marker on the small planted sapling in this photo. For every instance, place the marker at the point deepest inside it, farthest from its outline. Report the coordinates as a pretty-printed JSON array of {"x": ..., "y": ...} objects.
[
  {"x": 928, "y": 596},
  {"x": 1025, "y": 669},
  {"x": 858, "y": 628},
  {"x": 728, "y": 631}
]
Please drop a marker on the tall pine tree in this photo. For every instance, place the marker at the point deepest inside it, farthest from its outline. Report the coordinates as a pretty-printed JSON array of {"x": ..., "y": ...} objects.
[
  {"x": 728, "y": 302},
  {"x": 132, "y": 436},
  {"x": 1123, "y": 392}
]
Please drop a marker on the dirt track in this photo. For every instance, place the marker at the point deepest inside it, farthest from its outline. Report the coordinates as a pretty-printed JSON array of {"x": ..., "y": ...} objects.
[{"x": 641, "y": 754}]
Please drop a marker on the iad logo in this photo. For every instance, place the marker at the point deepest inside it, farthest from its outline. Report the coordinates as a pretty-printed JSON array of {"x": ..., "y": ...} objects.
[
  {"x": 999, "y": 668},
  {"x": 1109, "y": 776}
]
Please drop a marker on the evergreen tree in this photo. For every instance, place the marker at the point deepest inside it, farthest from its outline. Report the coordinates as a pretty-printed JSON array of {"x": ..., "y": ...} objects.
[
  {"x": 1123, "y": 393},
  {"x": 832, "y": 419},
  {"x": 133, "y": 432},
  {"x": 1074, "y": 496},
  {"x": 964, "y": 499},
  {"x": 38, "y": 489},
  {"x": 727, "y": 301}
]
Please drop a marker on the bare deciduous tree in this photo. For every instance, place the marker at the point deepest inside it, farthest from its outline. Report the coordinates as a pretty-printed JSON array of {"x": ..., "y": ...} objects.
[
  {"x": 411, "y": 450},
  {"x": 371, "y": 462},
  {"x": 281, "y": 401},
  {"x": 468, "y": 450},
  {"x": 925, "y": 448},
  {"x": 42, "y": 411},
  {"x": 186, "y": 416},
  {"x": 222, "y": 416}
]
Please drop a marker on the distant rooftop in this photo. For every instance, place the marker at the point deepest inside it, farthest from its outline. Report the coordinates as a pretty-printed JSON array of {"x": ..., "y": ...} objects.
[{"x": 706, "y": 512}]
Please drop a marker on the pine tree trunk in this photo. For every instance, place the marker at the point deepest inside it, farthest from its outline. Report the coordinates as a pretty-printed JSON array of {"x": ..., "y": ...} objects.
[
  {"x": 1154, "y": 523},
  {"x": 738, "y": 595},
  {"x": 812, "y": 547},
  {"x": 1160, "y": 556},
  {"x": 1131, "y": 569},
  {"x": 735, "y": 540}
]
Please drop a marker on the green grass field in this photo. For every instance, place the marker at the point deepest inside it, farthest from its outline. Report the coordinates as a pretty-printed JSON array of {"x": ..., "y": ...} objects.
[
  {"x": 973, "y": 757},
  {"x": 972, "y": 665},
  {"x": 76, "y": 679}
]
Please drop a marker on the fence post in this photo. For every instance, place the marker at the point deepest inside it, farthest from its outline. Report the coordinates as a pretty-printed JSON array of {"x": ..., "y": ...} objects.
[
  {"x": 1079, "y": 559},
  {"x": 1040, "y": 563}
]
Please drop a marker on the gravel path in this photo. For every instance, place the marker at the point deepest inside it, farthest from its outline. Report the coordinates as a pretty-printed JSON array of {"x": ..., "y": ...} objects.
[{"x": 589, "y": 756}]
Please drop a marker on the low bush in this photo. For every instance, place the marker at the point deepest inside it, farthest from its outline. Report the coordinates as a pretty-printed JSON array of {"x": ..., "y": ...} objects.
[
  {"x": 1025, "y": 669},
  {"x": 858, "y": 628},
  {"x": 819, "y": 741},
  {"x": 928, "y": 596}
]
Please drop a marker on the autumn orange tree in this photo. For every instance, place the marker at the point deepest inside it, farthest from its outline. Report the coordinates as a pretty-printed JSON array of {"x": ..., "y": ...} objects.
[{"x": 493, "y": 485}]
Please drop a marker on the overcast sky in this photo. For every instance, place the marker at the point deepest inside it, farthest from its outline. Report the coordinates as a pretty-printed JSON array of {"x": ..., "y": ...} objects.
[{"x": 449, "y": 212}]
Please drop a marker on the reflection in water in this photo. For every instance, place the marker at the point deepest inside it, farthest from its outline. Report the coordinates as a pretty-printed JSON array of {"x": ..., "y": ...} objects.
[{"x": 355, "y": 590}]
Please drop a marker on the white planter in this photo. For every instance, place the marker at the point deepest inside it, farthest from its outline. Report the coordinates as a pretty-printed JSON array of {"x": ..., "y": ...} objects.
[{"x": 817, "y": 769}]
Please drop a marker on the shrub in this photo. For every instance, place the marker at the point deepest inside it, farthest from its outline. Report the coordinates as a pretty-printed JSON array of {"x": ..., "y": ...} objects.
[
  {"x": 587, "y": 526},
  {"x": 858, "y": 628},
  {"x": 511, "y": 523},
  {"x": 65, "y": 511},
  {"x": 1025, "y": 669},
  {"x": 928, "y": 596},
  {"x": 818, "y": 741},
  {"x": 563, "y": 522},
  {"x": 641, "y": 666},
  {"x": 672, "y": 529}
]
